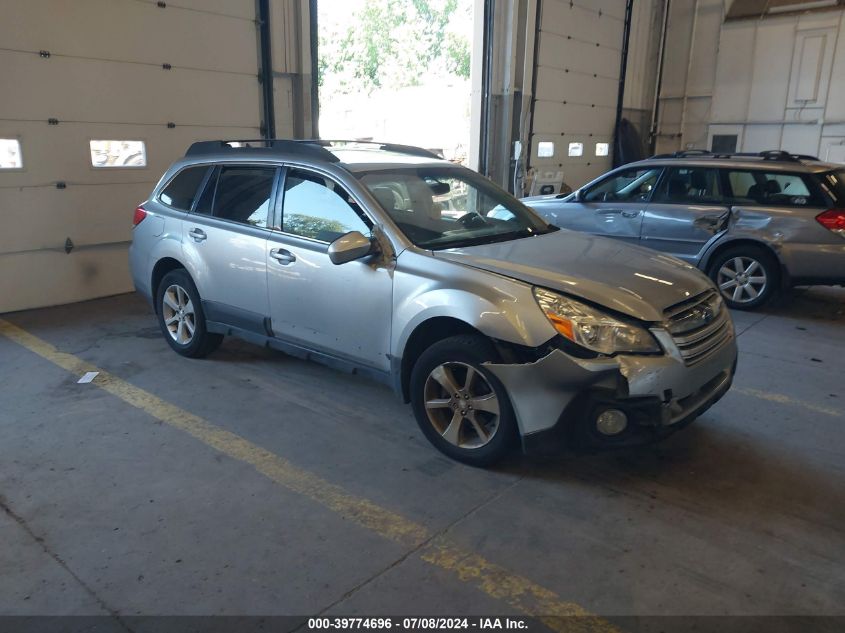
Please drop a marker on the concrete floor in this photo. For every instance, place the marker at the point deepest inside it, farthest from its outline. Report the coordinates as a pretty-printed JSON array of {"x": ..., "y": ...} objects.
[{"x": 110, "y": 510}]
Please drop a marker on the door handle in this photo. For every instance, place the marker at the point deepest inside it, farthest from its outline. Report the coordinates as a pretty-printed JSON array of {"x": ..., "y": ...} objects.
[
  {"x": 197, "y": 234},
  {"x": 284, "y": 257},
  {"x": 630, "y": 214}
]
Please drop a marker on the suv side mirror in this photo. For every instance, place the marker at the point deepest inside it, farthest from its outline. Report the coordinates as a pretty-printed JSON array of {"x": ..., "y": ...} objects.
[{"x": 349, "y": 247}]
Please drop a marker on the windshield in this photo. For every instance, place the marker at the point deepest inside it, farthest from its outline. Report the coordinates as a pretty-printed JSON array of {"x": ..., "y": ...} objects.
[
  {"x": 448, "y": 207},
  {"x": 834, "y": 183}
]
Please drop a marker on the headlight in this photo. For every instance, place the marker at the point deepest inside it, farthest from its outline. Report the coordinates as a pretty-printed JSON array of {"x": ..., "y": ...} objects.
[{"x": 592, "y": 329}]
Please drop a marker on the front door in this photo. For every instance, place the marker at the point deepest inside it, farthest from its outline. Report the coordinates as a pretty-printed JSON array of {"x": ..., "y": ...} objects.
[
  {"x": 614, "y": 206},
  {"x": 343, "y": 310},
  {"x": 686, "y": 212}
]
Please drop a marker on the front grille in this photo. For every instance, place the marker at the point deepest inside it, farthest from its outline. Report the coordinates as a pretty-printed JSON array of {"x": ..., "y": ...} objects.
[{"x": 699, "y": 326}]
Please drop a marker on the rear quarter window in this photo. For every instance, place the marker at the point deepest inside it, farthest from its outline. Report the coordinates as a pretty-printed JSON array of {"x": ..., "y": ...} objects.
[
  {"x": 182, "y": 189},
  {"x": 752, "y": 187}
]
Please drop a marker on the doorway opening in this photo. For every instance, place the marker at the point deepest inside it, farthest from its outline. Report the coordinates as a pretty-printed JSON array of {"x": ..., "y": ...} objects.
[{"x": 398, "y": 71}]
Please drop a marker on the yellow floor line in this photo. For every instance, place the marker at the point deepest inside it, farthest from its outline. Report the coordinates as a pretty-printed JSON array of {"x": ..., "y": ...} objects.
[
  {"x": 518, "y": 592},
  {"x": 782, "y": 399}
]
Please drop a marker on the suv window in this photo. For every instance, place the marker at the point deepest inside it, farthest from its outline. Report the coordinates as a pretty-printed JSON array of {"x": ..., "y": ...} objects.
[
  {"x": 318, "y": 208},
  {"x": 630, "y": 185},
  {"x": 690, "y": 185},
  {"x": 182, "y": 189},
  {"x": 240, "y": 194},
  {"x": 751, "y": 187}
]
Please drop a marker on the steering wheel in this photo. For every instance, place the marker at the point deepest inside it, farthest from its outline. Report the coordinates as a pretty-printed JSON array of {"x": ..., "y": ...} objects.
[{"x": 470, "y": 219}]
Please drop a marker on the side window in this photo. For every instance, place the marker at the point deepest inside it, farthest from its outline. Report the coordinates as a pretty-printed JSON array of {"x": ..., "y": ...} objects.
[
  {"x": 180, "y": 192},
  {"x": 690, "y": 185},
  {"x": 783, "y": 189},
  {"x": 631, "y": 185},
  {"x": 318, "y": 208},
  {"x": 243, "y": 194}
]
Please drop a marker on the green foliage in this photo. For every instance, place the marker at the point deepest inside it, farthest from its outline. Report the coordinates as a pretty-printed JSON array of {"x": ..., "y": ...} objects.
[
  {"x": 394, "y": 43},
  {"x": 312, "y": 226}
]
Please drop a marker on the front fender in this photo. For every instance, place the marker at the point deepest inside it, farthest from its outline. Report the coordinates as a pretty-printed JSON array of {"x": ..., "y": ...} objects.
[{"x": 499, "y": 307}]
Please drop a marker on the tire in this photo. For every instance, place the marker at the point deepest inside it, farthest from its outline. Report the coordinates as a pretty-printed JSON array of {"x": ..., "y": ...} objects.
[
  {"x": 178, "y": 308},
  {"x": 475, "y": 430},
  {"x": 757, "y": 271}
]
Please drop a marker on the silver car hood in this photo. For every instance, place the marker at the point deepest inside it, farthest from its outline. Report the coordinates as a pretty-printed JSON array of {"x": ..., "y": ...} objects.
[{"x": 633, "y": 280}]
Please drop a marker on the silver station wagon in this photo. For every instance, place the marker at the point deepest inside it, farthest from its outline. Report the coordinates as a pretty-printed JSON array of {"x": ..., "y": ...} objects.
[
  {"x": 755, "y": 223},
  {"x": 386, "y": 260}
]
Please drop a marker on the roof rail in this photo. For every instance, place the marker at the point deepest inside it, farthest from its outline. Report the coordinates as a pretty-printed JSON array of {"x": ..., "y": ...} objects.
[
  {"x": 772, "y": 154},
  {"x": 311, "y": 149},
  {"x": 411, "y": 150}
]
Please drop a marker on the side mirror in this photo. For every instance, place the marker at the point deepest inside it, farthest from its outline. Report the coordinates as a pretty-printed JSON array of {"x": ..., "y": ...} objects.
[{"x": 349, "y": 247}]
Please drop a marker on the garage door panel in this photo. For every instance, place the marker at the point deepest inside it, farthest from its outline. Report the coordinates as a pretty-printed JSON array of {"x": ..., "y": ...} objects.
[
  {"x": 43, "y": 164},
  {"x": 564, "y": 20},
  {"x": 130, "y": 97},
  {"x": 33, "y": 280},
  {"x": 560, "y": 52},
  {"x": 71, "y": 89},
  {"x": 552, "y": 117},
  {"x": 237, "y": 8},
  {"x": 559, "y": 85},
  {"x": 43, "y": 217},
  {"x": 125, "y": 30}
]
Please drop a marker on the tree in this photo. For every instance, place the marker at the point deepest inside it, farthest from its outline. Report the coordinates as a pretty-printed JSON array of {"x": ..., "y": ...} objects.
[{"x": 394, "y": 43}]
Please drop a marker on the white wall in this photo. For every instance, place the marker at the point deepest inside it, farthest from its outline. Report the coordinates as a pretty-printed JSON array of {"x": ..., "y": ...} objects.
[
  {"x": 780, "y": 84},
  {"x": 776, "y": 82}
]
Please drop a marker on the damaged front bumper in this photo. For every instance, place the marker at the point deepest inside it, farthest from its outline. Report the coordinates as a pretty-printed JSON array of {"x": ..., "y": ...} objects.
[{"x": 558, "y": 397}]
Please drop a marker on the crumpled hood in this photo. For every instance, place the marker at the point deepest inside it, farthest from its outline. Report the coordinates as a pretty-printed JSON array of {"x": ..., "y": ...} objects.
[{"x": 630, "y": 279}]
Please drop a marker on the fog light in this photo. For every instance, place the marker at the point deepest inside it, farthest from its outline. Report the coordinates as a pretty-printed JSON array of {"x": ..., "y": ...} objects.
[{"x": 611, "y": 422}]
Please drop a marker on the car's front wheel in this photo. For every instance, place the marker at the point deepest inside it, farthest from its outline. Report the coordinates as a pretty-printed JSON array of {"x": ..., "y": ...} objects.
[
  {"x": 746, "y": 276},
  {"x": 460, "y": 406},
  {"x": 181, "y": 318}
]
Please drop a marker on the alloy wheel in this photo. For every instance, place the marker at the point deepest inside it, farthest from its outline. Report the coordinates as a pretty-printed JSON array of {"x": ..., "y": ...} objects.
[
  {"x": 461, "y": 405},
  {"x": 742, "y": 279},
  {"x": 177, "y": 309}
]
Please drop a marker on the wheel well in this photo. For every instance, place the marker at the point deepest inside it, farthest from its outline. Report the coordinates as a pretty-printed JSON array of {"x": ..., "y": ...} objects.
[
  {"x": 734, "y": 243},
  {"x": 162, "y": 267},
  {"x": 424, "y": 336}
]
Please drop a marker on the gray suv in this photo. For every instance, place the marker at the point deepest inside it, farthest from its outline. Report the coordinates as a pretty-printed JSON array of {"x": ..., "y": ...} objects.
[
  {"x": 754, "y": 223},
  {"x": 386, "y": 260}
]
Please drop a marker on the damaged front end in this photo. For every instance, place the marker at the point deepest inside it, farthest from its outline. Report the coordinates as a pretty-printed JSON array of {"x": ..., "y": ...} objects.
[{"x": 619, "y": 400}]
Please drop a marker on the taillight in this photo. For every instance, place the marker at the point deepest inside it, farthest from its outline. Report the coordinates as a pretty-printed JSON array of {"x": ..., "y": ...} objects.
[
  {"x": 833, "y": 220},
  {"x": 140, "y": 214}
]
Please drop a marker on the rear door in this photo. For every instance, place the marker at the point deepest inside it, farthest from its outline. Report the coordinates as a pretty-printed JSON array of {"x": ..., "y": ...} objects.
[
  {"x": 224, "y": 240},
  {"x": 688, "y": 210},
  {"x": 613, "y": 207}
]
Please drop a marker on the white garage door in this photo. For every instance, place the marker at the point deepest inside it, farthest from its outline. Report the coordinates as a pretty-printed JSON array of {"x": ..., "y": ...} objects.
[
  {"x": 577, "y": 85},
  {"x": 162, "y": 74}
]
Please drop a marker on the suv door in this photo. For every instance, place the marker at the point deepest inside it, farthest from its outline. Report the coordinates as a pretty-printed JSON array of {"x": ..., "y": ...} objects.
[
  {"x": 687, "y": 210},
  {"x": 613, "y": 207},
  {"x": 225, "y": 240},
  {"x": 343, "y": 310}
]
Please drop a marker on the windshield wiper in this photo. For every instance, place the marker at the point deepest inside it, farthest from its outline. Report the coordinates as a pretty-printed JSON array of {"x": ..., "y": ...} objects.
[{"x": 487, "y": 239}]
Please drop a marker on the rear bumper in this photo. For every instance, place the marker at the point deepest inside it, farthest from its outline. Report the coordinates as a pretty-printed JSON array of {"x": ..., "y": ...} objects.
[
  {"x": 558, "y": 397},
  {"x": 814, "y": 263}
]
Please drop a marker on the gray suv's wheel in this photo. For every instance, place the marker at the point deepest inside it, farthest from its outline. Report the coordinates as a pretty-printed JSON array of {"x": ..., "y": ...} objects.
[
  {"x": 747, "y": 276},
  {"x": 459, "y": 405},
  {"x": 181, "y": 318}
]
